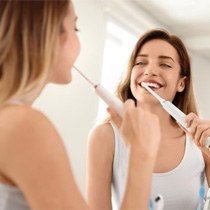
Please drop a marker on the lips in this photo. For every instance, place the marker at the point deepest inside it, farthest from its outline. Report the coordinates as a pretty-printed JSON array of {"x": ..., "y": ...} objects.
[{"x": 151, "y": 84}]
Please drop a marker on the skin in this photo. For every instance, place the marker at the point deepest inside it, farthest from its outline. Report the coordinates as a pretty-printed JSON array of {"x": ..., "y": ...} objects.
[
  {"x": 67, "y": 51},
  {"x": 33, "y": 157},
  {"x": 157, "y": 62}
]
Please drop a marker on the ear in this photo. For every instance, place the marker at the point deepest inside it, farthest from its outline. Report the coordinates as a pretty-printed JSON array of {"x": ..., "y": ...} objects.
[{"x": 181, "y": 84}]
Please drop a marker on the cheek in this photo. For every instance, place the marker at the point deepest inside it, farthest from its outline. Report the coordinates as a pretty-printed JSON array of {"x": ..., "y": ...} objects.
[
  {"x": 65, "y": 59},
  {"x": 133, "y": 81}
]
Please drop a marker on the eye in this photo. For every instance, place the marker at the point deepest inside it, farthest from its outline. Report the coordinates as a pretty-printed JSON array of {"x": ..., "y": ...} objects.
[
  {"x": 140, "y": 63},
  {"x": 165, "y": 65}
]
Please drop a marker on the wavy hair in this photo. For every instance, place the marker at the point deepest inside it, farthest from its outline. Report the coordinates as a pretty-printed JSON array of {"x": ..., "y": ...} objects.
[
  {"x": 29, "y": 32},
  {"x": 184, "y": 100}
]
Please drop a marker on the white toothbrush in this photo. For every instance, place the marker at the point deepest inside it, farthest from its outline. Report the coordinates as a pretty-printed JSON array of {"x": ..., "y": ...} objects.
[
  {"x": 176, "y": 113},
  {"x": 110, "y": 99}
]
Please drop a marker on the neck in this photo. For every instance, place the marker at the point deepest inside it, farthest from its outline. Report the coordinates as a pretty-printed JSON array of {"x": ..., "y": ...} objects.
[{"x": 169, "y": 128}]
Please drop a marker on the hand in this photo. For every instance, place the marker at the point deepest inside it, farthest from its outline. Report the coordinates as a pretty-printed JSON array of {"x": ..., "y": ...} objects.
[
  {"x": 199, "y": 131},
  {"x": 138, "y": 128}
]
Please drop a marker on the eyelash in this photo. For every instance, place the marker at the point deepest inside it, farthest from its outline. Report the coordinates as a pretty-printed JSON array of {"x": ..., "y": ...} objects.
[
  {"x": 140, "y": 63},
  {"x": 166, "y": 65}
]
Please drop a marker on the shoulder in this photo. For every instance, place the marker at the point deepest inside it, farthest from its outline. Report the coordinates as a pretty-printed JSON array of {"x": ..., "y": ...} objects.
[
  {"x": 15, "y": 118},
  {"x": 101, "y": 138},
  {"x": 24, "y": 123},
  {"x": 102, "y": 130},
  {"x": 24, "y": 133}
]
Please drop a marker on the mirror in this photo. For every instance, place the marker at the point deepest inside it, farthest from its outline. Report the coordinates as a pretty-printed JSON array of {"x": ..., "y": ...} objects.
[{"x": 73, "y": 108}]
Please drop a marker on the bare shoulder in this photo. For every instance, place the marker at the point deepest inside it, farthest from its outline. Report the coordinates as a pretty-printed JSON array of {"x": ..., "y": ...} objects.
[
  {"x": 102, "y": 131},
  {"x": 27, "y": 132},
  {"x": 101, "y": 138},
  {"x": 33, "y": 157},
  {"x": 24, "y": 123}
]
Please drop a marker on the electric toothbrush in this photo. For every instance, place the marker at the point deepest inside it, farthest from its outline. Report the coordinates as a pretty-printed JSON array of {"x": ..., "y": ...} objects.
[
  {"x": 176, "y": 113},
  {"x": 110, "y": 99}
]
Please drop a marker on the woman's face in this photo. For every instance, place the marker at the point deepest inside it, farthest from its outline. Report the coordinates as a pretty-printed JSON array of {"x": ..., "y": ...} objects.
[
  {"x": 68, "y": 49},
  {"x": 157, "y": 63}
]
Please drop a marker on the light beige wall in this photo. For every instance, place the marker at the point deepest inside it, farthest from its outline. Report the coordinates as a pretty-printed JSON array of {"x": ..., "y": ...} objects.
[{"x": 73, "y": 108}]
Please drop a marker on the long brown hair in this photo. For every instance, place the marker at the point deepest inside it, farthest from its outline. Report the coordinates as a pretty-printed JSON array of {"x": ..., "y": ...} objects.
[
  {"x": 184, "y": 100},
  {"x": 28, "y": 37}
]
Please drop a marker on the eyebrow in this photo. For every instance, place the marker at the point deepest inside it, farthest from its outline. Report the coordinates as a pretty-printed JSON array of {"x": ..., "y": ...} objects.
[
  {"x": 166, "y": 57},
  {"x": 161, "y": 56}
]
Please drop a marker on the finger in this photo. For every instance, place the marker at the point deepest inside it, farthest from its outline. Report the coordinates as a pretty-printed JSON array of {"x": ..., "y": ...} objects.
[
  {"x": 199, "y": 131},
  {"x": 204, "y": 137},
  {"x": 129, "y": 104},
  {"x": 114, "y": 117},
  {"x": 194, "y": 125},
  {"x": 206, "y": 151},
  {"x": 189, "y": 118},
  {"x": 129, "y": 107}
]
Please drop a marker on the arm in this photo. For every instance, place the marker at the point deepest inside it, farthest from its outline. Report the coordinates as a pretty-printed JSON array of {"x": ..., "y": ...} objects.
[
  {"x": 199, "y": 131},
  {"x": 99, "y": 167},
  {"x": 34, "y": 158},
  {"x": 207, "y": 168},
  {"x": 141, "y": 132}
]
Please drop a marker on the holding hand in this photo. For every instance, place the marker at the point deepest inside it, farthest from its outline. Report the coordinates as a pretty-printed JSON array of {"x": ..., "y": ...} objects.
[
  {"x": 199, "y": 131},
  {"x": 141, "y": 133},
  {"x": 139, "y": 128}
]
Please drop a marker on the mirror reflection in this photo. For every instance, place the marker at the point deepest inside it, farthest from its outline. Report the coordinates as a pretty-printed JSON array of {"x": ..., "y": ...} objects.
[{"x": 112, "y": 28}]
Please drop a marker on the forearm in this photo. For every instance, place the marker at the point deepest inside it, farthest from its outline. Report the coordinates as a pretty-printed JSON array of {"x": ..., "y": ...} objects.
[
  {"x": 208, "y": 175},
  {"x": 137, "y": 192}
]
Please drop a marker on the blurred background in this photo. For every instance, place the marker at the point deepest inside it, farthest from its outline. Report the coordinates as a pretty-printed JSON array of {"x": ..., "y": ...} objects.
[{"x": 108, "y": 32}]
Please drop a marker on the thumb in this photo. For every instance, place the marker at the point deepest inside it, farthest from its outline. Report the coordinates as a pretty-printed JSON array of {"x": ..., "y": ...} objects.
[{"x": 114, "y": 117}]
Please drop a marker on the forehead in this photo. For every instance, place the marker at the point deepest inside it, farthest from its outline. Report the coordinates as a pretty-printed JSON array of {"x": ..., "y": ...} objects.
[{"x": 157, "y": 47}]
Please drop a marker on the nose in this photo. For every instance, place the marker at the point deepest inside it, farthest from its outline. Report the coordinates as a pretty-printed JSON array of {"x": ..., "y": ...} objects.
[{"x": 151, "y": 70}]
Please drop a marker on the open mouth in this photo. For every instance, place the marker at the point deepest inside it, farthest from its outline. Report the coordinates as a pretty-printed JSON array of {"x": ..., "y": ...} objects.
[{"x": 151, "y": 85}]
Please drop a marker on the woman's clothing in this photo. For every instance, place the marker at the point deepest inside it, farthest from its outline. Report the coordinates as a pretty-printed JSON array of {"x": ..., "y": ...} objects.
[
  {"x": 11, "y": 198},
  {"x": 179, "y": 187}
]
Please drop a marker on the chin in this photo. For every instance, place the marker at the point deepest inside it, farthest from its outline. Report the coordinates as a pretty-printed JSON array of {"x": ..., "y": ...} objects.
[{"x": 64, "y": 80}]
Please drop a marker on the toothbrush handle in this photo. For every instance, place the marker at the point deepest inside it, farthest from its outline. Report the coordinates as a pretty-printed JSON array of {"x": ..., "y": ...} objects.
[
  {"x": 109, "y": 99},
  {"x": 179, "y": 116}
]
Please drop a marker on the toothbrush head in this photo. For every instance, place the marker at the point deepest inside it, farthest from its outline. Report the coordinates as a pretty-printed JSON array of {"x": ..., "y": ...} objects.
[{"x": 144, "y": 84}]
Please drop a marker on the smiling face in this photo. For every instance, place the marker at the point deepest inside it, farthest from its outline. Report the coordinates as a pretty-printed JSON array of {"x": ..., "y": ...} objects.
[
  {"x": 68, "y": 49},
  {"x": 157, "y": 64}
]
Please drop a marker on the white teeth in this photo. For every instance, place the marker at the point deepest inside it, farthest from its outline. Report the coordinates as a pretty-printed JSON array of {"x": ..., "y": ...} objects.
[{"x": 151, "y": 84}]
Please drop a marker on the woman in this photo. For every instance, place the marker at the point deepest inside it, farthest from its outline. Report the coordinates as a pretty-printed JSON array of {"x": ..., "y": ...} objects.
[
  {"x": 39, "y": 45},
  {"x": 161, "y": 60}
]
